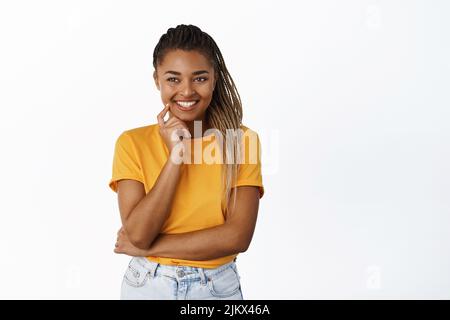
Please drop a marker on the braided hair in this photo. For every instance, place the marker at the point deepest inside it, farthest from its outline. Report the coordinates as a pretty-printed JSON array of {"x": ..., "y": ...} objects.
[{"x": 225, "y": 110}]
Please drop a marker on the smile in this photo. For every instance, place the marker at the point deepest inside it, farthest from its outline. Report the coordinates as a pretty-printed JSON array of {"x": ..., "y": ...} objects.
[{"x": 186, "y": 105}]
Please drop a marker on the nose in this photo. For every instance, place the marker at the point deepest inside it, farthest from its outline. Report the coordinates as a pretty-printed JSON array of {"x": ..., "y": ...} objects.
[{"x": 187, "y": 90}]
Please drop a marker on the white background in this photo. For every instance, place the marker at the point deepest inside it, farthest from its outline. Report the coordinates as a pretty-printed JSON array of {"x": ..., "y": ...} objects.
[{"x": 350, "y": 99}]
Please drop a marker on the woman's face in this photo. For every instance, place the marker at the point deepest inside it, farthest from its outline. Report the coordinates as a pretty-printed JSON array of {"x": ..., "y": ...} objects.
[{"x": 186, "y": 80}]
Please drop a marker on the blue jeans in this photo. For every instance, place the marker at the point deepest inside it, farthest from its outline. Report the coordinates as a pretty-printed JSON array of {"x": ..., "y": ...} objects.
[{"x": 147, "y": 280}]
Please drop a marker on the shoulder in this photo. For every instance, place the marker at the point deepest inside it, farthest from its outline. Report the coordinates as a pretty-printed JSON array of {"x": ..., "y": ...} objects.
[
  {"x": 139, "y": 134},
  {"x": 143, "y": 131},
  {"x": 246, "y": 129},
  {"x": 248, "y": 132}
]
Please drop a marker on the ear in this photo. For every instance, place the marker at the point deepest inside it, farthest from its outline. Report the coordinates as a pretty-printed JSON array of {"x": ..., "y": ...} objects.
[{"x": 155, "y": 77}]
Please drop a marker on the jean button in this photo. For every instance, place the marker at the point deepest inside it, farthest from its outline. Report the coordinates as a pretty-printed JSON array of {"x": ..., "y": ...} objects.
[{"x": 180, "y": 273}]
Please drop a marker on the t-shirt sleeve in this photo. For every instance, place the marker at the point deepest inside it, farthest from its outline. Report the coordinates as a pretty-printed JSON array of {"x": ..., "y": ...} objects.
[
  {"x": 125, "y": 162},
  {"x": 249, "y": 173}
]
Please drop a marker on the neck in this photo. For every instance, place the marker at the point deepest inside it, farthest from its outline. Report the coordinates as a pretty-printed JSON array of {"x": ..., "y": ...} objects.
[{"x": 191, "y": 127}]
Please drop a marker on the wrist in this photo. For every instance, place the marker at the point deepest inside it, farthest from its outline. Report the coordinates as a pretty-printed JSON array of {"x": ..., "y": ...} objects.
[{"x": 175, "y": 159}]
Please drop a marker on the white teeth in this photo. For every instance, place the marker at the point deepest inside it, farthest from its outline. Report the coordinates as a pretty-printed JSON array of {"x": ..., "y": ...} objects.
[{"x": 186, "y": 104}]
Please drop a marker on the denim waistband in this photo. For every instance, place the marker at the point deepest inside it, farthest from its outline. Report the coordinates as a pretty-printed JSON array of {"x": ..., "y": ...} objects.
[{"x": 181, "y": 272}]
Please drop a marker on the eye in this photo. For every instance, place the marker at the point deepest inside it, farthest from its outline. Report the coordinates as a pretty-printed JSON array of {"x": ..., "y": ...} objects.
[
  {"x": 172, "y": 79},
  {"x": 201, "y": 79}
]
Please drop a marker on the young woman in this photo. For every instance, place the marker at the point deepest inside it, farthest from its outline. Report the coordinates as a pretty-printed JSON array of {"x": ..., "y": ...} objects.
[{"x": 189, "y": 187}]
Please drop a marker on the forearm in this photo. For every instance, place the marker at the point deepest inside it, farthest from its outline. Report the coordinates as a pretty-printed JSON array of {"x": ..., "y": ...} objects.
[
  {"x": 146, "y": 220},
  {"x": 206, "y": 244}
]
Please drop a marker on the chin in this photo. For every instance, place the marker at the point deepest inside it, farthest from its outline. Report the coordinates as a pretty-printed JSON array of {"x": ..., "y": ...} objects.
[{"x": 185, "y": 117}]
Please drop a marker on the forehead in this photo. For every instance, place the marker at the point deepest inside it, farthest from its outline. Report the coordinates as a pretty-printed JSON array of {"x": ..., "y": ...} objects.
[{"x": 184, "y": 61}]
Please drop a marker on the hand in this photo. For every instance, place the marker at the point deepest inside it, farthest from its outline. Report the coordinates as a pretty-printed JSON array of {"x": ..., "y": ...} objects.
[
  {"x": 174, "y": 130},
  {"x": 124, "y": 246}
]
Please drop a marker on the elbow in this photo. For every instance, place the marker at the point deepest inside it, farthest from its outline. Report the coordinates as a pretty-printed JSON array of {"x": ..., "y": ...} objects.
[
  {"x": 240, "y": 241},
  {"x": 139, "y": 241},
  {"x": 140, "y": 244},
  {"x": 241, "y": 245}
]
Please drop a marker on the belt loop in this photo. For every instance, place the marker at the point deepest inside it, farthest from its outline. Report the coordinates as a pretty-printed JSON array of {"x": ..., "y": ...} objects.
[
  {"x": 151, "y": 267},
  {"x": 203, "y": 276}
]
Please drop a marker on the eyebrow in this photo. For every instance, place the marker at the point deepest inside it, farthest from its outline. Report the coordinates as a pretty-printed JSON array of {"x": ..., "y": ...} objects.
[{"x": 195, "y": 73}]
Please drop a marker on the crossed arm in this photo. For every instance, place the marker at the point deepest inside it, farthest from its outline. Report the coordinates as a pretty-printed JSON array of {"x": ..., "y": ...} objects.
[{"x": 232, "y": 237}]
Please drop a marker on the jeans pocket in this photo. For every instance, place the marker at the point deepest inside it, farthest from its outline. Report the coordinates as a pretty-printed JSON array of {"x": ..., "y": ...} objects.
[
  {"x": 225, "y": 283},
  {"x": 136, "y": 274}
]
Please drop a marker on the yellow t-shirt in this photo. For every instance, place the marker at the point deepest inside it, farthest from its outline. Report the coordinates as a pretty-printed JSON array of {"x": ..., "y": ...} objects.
[{"x": 140, "y": 154}]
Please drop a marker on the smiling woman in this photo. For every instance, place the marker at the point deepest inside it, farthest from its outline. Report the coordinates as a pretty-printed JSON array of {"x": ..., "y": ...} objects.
[
  {"x": 185, "y": 223},
  {"x": 190, "y": 91}
]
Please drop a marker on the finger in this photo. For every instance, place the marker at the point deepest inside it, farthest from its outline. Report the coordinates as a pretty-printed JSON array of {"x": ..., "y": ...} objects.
[
  {"x": 164, "y": 112},
  {"x": 175, "y": 122},
  {"x": 169, "y": 111},
  {"x": 170, "y": 123},
  {"x": 161, "y": 115},
  {"x": 183, "y": 132},
  {"x": 179, "y": 130}
]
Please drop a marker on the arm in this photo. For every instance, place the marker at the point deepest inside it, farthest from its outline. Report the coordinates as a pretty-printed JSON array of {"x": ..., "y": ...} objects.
[
  {"x": 232, "y": 237},
  {"x": 142, "y": 214}
]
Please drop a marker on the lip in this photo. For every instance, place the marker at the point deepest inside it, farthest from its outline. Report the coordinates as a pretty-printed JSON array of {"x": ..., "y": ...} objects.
[{"x": 184, "y": 108}]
